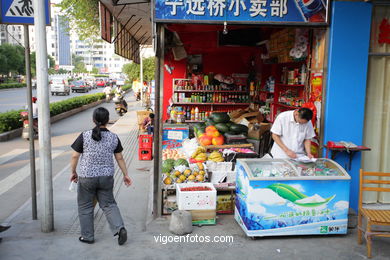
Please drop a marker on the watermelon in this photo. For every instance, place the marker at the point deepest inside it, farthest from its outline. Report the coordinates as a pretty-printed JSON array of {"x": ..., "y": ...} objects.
[
  {"x": 223, "y": 128},
  {"x": 179, "y": 162},
  {"x": 220, "y": 117},
  {"x": 239, "y": 129},
  {"x": 209, "y": 122},
  {"x": 168, "y": 165}
]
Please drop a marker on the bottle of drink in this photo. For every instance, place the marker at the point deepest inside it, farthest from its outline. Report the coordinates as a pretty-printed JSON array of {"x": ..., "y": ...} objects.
[
  {"x": 192, "y": 113},
  {"x": 196, "y": 113},
  {"x": 188, "y": 113}
]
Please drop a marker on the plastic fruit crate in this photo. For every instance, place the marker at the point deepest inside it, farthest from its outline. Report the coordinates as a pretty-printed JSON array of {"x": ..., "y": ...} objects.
[
  {"x": 196, "y": 200},
  {"x": 145, "y": 141}
]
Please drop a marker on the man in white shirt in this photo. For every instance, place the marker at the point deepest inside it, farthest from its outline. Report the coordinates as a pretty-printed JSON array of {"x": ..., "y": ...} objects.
[{"x": 292, "y": 131}]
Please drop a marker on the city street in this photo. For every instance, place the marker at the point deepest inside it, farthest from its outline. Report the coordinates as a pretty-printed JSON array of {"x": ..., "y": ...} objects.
[
  {"x": 15, "y": 99},
  {"x": 14, "y": 155}
]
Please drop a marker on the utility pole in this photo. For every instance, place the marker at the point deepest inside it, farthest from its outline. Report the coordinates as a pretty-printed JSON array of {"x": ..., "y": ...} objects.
[
  {"x": 31, "y": 122},
  {"x": 47, "y": 216}
]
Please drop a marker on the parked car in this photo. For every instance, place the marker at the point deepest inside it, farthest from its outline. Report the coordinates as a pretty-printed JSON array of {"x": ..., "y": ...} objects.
[
  {"x": 80, "y": 86},
  {"x": 100, "y": 83},
  {"x": 59, "y": 86}
]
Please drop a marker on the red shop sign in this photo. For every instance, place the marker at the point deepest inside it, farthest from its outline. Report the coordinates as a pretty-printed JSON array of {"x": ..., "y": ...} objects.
[{"x": 384, "y": 32}]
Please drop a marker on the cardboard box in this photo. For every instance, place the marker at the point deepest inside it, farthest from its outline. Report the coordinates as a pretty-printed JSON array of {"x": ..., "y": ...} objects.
[
  {"x": 256, "y": 130},
  {"x": 251, "y": 117}
]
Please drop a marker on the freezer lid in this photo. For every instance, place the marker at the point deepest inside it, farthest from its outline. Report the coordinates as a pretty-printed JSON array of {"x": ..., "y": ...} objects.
[{"x": 282, "y": 169}]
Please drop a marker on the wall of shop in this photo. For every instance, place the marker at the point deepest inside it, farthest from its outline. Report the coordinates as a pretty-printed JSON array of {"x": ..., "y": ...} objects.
[{"x": 346, "y": 84}]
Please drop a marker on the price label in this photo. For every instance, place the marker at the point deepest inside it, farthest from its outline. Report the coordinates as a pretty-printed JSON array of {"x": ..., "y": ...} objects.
[{"x": 177, "y": 135}]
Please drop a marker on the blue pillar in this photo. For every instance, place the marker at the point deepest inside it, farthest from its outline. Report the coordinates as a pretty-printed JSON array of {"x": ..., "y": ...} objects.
[{"x": 346, "y": 85}]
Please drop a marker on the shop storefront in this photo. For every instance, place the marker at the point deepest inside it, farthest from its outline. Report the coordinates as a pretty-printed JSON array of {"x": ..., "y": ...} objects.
[{"x": 227, "y": 69}]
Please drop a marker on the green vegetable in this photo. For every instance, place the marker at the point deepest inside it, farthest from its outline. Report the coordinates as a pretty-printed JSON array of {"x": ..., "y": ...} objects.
[
  {"x": 223, "y": 128},
  {"x": 220, "y": 117},
  {"x": 179, "y": 162}
]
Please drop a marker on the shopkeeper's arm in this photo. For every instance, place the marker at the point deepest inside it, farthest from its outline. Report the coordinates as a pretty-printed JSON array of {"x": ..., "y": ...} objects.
[
  {"x": 279, "y": 142},
  {"x": 307, "y": 144}
]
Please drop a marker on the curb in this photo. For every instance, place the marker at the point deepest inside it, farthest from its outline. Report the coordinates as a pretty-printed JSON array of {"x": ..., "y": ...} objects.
[{"x": 18, "y": 132}]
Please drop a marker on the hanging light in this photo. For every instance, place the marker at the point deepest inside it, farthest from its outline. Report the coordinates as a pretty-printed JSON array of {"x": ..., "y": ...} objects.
[{"x": 225, "y": 30}]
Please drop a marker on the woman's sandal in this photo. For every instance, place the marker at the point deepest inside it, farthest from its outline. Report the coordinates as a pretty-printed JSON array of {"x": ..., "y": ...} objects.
[{"x": 81, "y": 239}]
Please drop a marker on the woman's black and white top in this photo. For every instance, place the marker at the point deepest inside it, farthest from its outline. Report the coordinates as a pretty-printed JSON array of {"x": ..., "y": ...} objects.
[{"x": 97, "y": 157}]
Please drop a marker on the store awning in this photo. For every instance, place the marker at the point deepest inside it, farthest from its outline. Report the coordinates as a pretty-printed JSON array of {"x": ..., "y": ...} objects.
[{"x": 127, "y": 24}]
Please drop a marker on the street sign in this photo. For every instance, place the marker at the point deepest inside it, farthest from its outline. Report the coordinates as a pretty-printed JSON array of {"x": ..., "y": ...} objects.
[{"x": 21, "y": 11}]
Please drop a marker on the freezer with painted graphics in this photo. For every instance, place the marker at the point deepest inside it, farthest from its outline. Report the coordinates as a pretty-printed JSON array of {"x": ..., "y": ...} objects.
[{"x": 279, "y": 197}]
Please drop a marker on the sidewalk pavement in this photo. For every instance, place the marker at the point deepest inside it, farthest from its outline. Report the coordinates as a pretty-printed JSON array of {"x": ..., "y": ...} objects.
[{"x": 24, "y": 240}]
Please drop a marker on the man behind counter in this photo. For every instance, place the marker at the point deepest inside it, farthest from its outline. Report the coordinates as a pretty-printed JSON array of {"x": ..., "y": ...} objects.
[{"x": 292, "y": 131}]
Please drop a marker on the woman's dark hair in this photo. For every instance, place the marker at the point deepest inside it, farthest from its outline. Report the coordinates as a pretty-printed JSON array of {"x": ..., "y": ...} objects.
[
  {"x": 151, "y": 115},
  {"x": 305, "y": 113},
  {"x": 100, "y": 117}
]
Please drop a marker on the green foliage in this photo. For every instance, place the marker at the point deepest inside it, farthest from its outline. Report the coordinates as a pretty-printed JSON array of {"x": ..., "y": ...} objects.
[
  {"x": 95, "y": 70},
  {"x": 149, "y": 68},
  {"x": 33, "y": 61},
  {"x": 79, "y": 66},
  {"x": 10, "y": 120},
  {"x": 100, "y": 76},
  {"x": 12, "y": 85},
  {"x": 83, "y": 17},
  {"x": 12, "y": 59},
  {"x": 126, "y": 87},
  {"x": 132, "y": 70}
]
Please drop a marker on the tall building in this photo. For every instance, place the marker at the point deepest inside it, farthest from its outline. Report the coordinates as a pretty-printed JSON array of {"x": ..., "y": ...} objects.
[
  {"x": 11, "y": 34},
  {"x": 98, "y": 54},
  {"x": 64, "y": 51}
]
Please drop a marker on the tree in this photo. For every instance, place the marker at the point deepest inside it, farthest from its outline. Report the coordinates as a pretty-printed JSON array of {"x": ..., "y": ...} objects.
[
  {"x": 78, "y": 63},
  {"x": 132, "y": 70},
  {"x": 33, "y": 60},
  {"x": 95, "y": 70},
  {"x": 82, "y": 16},
  {"x": 12, "y": 59}
]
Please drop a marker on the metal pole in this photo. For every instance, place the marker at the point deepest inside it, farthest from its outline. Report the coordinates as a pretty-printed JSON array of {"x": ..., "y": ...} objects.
[
  {"x": 159, "y": 79},
  {"x": 47, "y": 217},
  {"x": 30, "y": 120}
]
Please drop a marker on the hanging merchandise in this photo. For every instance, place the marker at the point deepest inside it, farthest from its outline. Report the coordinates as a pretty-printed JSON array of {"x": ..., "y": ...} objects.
[{"x": 300, "y": 50}]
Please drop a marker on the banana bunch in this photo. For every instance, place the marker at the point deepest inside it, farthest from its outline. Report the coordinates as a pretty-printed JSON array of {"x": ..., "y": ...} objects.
[
  {"x": 199, "y": 150},
  {"x": 216, "y": 157}
]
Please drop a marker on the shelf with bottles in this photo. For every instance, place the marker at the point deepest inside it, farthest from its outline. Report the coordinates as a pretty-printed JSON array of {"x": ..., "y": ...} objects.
[
  {"x": 289, "y": 85},
  {"x": 210, "y": 98},
  {"x": 210, "y": 91}
]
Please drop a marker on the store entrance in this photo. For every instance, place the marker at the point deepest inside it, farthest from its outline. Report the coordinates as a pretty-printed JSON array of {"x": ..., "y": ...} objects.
[{"x": 213, "y": 68}]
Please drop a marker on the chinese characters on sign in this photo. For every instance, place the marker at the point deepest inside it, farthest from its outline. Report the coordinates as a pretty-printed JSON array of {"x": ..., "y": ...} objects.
[{"x": 276, "y": 8}]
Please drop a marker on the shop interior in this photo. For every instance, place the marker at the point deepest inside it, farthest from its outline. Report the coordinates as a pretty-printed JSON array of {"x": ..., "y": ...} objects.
[{"x": 224, "y": 85}]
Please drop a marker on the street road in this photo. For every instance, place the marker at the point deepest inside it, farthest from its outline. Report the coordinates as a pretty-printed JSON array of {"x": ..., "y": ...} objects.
[
  {"x": 14, "y": 156},
  {"x": 15, "y": 99}
]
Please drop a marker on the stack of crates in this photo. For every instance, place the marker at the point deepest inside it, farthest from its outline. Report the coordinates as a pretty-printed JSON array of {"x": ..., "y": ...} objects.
[{"x": 145, "y": 147}]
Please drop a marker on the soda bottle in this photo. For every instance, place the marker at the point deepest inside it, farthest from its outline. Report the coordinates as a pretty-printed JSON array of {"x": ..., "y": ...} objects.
[
  {"x": 192, "y": 113},
  {"x": 197, "y": 114},
  {"x": 312, "y": 11}
]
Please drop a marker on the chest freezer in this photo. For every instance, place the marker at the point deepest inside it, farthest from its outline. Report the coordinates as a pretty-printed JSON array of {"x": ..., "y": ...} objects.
[{"x": 279, "y": 197}]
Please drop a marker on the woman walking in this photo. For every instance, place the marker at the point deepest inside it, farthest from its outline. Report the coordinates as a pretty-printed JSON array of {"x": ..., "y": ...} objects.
[{"x": 96, "y": 150}]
